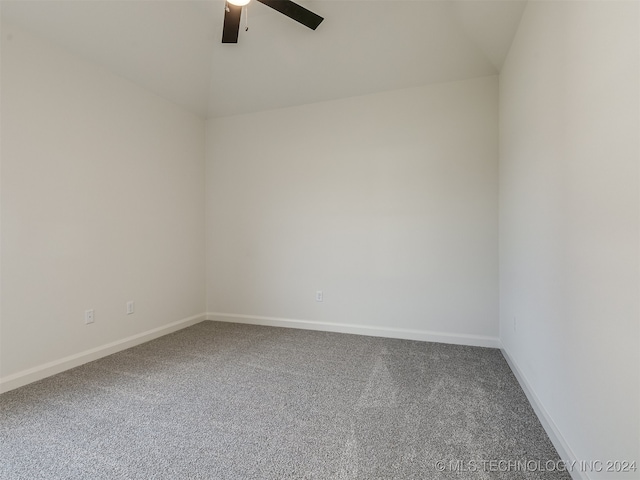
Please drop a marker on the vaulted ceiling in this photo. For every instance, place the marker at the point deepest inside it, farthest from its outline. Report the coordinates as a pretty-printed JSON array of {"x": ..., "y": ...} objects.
[{"x": 174, "y": 48}]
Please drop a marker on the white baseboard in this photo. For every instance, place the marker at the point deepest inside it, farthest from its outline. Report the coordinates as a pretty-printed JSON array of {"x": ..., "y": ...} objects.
[
  {"x": 556, "y": 437},
  {"x": 371, "y": 331},
  {"x": 25, "y": 377}
]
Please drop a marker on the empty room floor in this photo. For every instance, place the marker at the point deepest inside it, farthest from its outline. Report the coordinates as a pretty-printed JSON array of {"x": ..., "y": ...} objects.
[{"x": 230, "y": 401}]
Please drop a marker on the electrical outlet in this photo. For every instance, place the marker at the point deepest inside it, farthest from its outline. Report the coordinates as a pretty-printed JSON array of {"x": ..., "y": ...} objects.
[
  {"x": 89, "y": 317},
  {"x": 319, "y": 296},
  {"x": 131, "y": 307}
]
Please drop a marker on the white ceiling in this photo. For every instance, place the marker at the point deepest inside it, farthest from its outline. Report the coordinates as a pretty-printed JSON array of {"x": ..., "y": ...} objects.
[{"x": 173, "y": 47}]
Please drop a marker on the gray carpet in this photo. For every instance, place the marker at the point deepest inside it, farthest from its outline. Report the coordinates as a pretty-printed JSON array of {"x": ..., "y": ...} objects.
[{"x": 229, "y": 401}]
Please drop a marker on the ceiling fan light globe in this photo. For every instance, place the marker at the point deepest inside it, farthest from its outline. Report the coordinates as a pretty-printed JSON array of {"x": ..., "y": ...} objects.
[{"x": 239, "y": 3}]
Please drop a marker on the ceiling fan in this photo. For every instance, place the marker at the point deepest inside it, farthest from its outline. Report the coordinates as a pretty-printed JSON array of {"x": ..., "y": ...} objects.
[{"x": 233, "y": 11}]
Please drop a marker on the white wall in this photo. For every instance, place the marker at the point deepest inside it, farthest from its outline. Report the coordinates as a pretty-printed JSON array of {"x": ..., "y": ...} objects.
[
  {"x": 569, "y": 219},
  {"x": 102, "y": 202},
  {"x": 386, "y": 202}
]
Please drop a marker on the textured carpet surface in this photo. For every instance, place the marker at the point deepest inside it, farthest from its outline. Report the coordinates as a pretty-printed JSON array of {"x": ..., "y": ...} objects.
[{"x": 229, "y": 401}]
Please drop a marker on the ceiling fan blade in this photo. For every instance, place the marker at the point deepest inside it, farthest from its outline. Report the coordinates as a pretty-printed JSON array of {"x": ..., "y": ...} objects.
[
  {"x": 231, "y": 26},
  {"x": 295, "y": 11}
]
